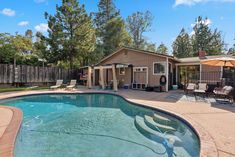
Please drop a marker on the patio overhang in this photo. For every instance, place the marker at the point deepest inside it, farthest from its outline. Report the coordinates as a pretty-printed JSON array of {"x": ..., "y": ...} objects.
[
  {"x": 113, "y": 68},
  {"x": 117, "y": 65}
]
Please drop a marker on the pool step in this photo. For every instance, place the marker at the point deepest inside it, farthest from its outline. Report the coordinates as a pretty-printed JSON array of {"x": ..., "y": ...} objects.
[
  {"x": 161, "y": 119},
  {"x": 156, "y": 126},
  {"x": 152, "y": 134}
]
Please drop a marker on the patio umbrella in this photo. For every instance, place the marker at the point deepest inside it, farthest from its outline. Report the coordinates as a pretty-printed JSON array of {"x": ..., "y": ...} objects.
[{"x": 223, "y": 61}]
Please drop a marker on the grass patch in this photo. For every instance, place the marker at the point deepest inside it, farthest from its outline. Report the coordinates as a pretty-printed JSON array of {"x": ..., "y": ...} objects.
[{"x": 2, "y": 90}]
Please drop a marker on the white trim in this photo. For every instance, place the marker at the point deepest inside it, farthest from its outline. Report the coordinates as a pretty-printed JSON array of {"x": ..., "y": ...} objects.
[
  {"x": 187, "y": 64},
  {"x": 167, "y": 74},
  {"x": 200, "y": 72},
  {"x": 164, "y": 62},
  {"x": 221, "y": 72},
  {"x": 147, "y": 74},
  {"x": 104, "y": 67},
  {"x": 176, "y": 71}
]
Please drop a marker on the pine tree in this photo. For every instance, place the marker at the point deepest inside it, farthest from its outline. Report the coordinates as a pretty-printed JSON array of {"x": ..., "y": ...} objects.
[
  {"x": 231, "y": 51},
  {"x": 162, "y": 49},
  {"x": 107, "y": 11},
  {"x": 110, "y": 28},
  {"x": 206, "y": 39},
  {"x": 71, "y": 34},
  {"x": 182, "y": 46}
]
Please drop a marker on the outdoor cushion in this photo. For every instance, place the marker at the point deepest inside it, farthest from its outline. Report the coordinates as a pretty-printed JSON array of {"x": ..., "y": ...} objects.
[
  {"x": 191, "y": 86},
  {"x": 202, "y": 86},
  {"x": 199, "y": 91}
]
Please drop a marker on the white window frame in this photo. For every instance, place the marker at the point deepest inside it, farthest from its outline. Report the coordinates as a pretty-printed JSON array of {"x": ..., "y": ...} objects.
[
  {"x": 124, "y": 71},
  {"x": 164, "y": 63}
]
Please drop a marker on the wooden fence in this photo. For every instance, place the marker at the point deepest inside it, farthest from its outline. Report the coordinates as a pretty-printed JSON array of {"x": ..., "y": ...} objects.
[{"x": 33, "y": 74}]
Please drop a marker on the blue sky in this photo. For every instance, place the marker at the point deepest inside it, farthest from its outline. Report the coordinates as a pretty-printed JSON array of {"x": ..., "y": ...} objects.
[{"x": 169, "y": 15}]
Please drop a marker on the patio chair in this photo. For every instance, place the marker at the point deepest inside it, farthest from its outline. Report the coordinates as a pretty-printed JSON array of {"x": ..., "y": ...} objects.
[
  {"x": 224, "y": 92},
  {"x": 58, "y": 84},
  {"x": 202, "y": 88},
  {"x": 72, "y": 84},
  {"x": 190, "y": 88}
]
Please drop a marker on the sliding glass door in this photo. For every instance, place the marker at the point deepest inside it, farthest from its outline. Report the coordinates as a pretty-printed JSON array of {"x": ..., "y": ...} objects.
[{"x": 188, "y": 74}]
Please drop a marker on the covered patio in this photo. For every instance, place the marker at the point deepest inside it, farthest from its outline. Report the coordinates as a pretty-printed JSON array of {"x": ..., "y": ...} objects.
[{"x": 106, "y": 75}]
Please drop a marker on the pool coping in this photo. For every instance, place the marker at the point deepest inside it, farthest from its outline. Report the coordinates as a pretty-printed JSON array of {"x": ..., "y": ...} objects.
[
  {"x": 207, "y": 145},
  {"x": 8, "y": 138}
]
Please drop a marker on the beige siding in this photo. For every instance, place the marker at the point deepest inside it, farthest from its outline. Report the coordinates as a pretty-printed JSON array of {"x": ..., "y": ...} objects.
[
  {"x": 137, "y": 59},
  {"x": 210, "y": 74}
]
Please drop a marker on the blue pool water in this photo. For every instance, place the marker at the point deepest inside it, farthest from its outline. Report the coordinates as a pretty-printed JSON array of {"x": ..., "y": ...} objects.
[{"x": 98, "y": 125}]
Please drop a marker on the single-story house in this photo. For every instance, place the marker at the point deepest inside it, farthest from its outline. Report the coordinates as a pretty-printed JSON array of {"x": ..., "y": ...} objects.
[{"x": 139, "y": 69}]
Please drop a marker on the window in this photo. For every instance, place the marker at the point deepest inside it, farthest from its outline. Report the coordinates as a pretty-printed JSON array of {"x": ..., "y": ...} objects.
[
  {"x": 159, "y": 68},
  {"x": 121, "y": 71}
]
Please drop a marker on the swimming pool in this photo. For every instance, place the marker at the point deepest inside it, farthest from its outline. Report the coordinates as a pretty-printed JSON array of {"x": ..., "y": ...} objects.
[{"x": 98, "y": 125}]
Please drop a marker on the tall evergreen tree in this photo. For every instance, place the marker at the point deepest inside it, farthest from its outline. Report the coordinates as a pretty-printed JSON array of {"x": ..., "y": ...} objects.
[
  {"x": 139, "y": 23},
  {"x": 206, "y": 39},
  {"x": 182, "y": 46},
  {"x": 110, "y": 28},
  {"x": 162, "y": 49},
  {"x": 231, "y": 51},
  {"x": 70, "y": 33},
  {"x": 106, "y": 12}
]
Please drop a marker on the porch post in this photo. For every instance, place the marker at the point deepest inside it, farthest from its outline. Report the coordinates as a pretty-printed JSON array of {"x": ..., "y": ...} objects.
[
  {"x": 167, "y": 74},
  {"x": 176, "y": 74},
  {"x": 200, "y": 73},
  {"x": 89, "y": 83},
  {"x": 114, "y": 78},
  {"x": 102, "y": 77},
  {"x": 93, "y": 77}
]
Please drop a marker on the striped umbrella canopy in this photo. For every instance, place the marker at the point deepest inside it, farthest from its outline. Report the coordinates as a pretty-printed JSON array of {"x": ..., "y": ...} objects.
[{"x": 223, "y": 61}]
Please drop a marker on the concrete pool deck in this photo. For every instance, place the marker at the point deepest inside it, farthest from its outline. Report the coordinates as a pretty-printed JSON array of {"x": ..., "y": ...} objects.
[{"x": 213, "y": 122}]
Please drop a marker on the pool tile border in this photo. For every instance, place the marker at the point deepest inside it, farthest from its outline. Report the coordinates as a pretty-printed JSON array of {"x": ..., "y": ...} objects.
[
  {"x": 207, "y": 145},
  {"x": 7, "y": 140}
]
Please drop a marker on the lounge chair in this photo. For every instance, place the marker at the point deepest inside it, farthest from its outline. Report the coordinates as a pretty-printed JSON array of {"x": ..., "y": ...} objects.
[
  {"x": 58, "y": 84},
  {"x": 72, "y": 84},
  {"x": 224, "y": 92},
  {"x": 202, "y": 88},
  {"x": 190, "y": 88}
]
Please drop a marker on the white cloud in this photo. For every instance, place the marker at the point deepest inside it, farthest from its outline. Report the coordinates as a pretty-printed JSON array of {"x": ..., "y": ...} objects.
[
  {"x": 193, "y": 2},
  {"x": 23, "y": 23},
  {"x": 8, "y": 12},
  {"x": 42, "y": 27},
  {"x": 40, "y": 1}
]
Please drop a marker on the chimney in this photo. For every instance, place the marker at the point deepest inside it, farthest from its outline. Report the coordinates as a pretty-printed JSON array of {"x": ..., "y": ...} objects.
[{"x": 202, "y": 54}]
